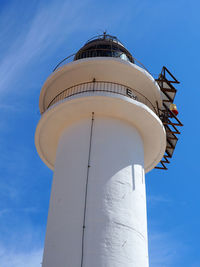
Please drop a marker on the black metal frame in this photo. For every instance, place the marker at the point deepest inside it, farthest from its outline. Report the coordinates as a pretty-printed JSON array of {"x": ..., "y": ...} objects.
[{"x": 168, "y": 118}]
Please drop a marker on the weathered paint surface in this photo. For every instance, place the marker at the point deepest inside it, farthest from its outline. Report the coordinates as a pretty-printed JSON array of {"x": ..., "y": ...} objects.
[{"x": 115, "y": 233}]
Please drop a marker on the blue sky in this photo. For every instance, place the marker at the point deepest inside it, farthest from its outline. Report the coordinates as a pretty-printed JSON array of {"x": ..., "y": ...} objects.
[{"x": 35, "y": 36}]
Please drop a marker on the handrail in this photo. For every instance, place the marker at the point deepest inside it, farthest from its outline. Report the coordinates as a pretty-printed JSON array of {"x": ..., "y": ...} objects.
[
  {"x": 63, "y": 61},
  {"x": 90, "y": 53},
  {"x": 103, "y": 86}
]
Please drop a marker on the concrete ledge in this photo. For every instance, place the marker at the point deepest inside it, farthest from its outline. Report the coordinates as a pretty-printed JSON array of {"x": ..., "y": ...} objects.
[
  {"x": 105, "y": 69},
  {"x": 70, "y": 110}
]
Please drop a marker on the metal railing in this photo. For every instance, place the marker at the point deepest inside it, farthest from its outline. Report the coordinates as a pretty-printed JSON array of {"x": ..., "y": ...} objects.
[
  {"x": 102, "y": 86},
  {"x": 104, "y": 52},
  {"x": 99, "y": 53}
]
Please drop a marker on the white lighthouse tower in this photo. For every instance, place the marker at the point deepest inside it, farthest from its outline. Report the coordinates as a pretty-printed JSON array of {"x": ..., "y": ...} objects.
[{"x": 100, "y": 133}]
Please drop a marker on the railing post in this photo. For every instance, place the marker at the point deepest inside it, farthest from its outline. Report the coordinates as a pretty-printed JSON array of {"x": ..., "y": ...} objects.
[{"x": 94, "y": 80}]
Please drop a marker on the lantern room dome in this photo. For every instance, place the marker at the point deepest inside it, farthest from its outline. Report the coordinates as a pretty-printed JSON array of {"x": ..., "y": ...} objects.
[{"x": 104, "y": 46}]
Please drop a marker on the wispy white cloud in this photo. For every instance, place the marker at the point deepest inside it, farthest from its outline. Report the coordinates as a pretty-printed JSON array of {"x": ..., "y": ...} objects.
[
  {"x": 47, "y": 29},
  {"x": 11, "y": 258},
  {"x": 164, "y": 250},
  {"x": 19, "y": 210},
  {"x": 23, "y": 248},
  {"x": 6, "y": 107},
  {"x": 153, "y": 199},
  {"x": 8, "y": 191}
]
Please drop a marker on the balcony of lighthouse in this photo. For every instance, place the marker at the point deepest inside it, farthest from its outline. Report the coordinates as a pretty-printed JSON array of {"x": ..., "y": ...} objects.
[
  {"x": 101, "y": 86},
  {"x": 102, "y": 65}
]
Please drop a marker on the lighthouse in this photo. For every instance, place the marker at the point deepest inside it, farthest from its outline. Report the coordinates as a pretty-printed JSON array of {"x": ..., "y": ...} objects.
[{"x": 101, "y": 130}]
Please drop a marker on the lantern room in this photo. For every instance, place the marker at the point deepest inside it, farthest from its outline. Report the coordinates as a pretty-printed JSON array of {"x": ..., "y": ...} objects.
[{"x": 104, "y": 46}]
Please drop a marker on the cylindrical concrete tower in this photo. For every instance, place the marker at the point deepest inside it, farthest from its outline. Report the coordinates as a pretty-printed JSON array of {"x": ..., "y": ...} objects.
[{"x": 100, "y": 132}]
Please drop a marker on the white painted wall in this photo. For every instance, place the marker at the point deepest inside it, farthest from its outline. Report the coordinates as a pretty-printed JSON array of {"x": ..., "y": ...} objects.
[{"x": 116, "y": 226}]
